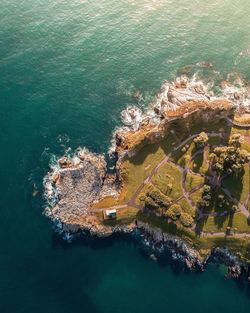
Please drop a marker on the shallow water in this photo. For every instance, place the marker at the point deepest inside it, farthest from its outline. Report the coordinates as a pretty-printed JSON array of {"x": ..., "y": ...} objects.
[{"x": 67, "y": 70}]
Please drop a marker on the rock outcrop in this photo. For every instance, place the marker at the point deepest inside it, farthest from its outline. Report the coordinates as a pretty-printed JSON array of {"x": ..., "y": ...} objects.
[{"x": 76, "y": 183}]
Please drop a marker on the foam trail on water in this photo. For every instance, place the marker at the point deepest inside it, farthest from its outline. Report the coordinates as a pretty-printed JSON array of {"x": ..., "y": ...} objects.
[
  {"x": 174, "y": 94},
  {"x": 132, "y": 117}
]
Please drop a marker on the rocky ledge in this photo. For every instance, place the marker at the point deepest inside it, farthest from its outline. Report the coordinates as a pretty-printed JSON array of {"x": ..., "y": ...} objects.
[
  {"x": 79, "y": 181},
  {"x": 72, "y": 186}
]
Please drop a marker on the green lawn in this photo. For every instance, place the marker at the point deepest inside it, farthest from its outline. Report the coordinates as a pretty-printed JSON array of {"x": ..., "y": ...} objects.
[
  {"x": 106, "y": 202},
  {"x": 237, "y": 222},
  {"x": 239, "y": 187},
  {"x": 168, "y": 179},
  {"x": 166, "y": 226},
  {"x": 203, "y": 244},
  {"x": 209, "y": 127},
  {"x": 184, "y": 155},
  {"x": 124, "y": 216},
  {"x": 217, "y": 205},
  {"x": 136, "y": 169},
  {"x": 186, "y": 207},
  {"x": 199, "y": 164},
  {"x": 245, "y": 144},
  {"x": 196, "y": 196},
  {"x": 193, "y": 180},
  {"x": 214, "y": 140}
]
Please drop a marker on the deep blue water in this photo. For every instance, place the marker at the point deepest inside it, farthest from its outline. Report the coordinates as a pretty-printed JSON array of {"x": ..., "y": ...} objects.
[{"x": 67, "y": 69}]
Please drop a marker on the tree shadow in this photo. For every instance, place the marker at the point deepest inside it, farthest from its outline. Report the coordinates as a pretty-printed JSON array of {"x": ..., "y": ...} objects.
[
  {"x": 234, "y": 184},
  {"x": 198, "y": 161},
  {"x": 248, "y": 220},
  {"x": 221, "y": 209},
  {"x": 219, "y": 221},
  {"x": 142, "y": 154},
  {"x": 179, "y": 155},
  {"x": 180, "y": 129},
  {"x": 230, "y": 220},
  {"x": 200, "y": 225}
]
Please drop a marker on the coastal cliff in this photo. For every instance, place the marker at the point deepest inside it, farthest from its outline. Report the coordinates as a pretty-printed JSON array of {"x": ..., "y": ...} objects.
[{"x": 79, "y": 189}]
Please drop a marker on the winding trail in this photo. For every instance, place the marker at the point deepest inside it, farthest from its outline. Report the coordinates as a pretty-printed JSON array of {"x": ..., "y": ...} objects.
[
  {"x": 186, "y": 194},
  {"x": 243, "y": 126},
  {"x": 223, "y": 234}
]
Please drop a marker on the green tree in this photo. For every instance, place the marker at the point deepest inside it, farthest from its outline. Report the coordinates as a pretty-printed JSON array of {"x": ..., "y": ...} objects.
[
  {"x": 186, "y": 219},
  {"x": 228, "y": 160},
  {"x": 201, "y": 140},
  {"x": 235, "y": 140},
  {"x": 174, "y": 212}
]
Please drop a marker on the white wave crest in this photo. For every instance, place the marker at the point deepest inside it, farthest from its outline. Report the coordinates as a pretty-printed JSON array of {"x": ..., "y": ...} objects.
[
  {"x": 132, "y": 116},
  {"x": 173, "y": 94}
]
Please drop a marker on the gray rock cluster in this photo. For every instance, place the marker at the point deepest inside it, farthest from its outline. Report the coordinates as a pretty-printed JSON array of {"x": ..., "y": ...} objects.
[{"x": 75, "y": 184}]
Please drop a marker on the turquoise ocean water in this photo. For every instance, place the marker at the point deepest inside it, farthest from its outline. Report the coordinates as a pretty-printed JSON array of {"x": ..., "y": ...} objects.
[{"x": 67, "y": 69}]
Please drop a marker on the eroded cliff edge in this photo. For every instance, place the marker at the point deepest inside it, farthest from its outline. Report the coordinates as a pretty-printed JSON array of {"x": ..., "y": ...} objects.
[{"x": 150, "y": 148}]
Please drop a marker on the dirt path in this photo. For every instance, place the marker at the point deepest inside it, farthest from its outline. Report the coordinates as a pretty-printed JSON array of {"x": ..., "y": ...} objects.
[
  {"x": 131, "y": 202},
  {"x": 146, "y": 181},
  {"x": 246, "y": 126},
  {"x": 241, "y": 206},
  {"x": 186, "y": 194},
  {"x": 222, "y": 234}
]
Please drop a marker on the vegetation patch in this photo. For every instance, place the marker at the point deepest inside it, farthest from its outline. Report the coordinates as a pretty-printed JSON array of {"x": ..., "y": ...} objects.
[
  {"x": 169, "y": 180},
  {"x": 193, "y": 180},
  {"x": 186, "y": 219},
  {"x": 106, "y": 203},
  {"x": 167, "y": 226},
  {"x": 219, "y": 171},
  {"x": 231, "y": 223},
  {"x": 215, "y": 201},
  {"x": 239, "y": 186},
  {"x": 215, "y": 140},
  {"x": 134, "y": 170},
  {"x": 186, "y": 207},
  {"x": 196, "y": 196},
  {"x": 245, "y": 134},
  {"x": 184, "y": 155},
  {"x": 201, "y": 140},
  {"x": 209, "y": 127},
  {"x": 176, "y": 212},
  {"x": 199, "y": 164},
  {"x": 152, "y": 199}
]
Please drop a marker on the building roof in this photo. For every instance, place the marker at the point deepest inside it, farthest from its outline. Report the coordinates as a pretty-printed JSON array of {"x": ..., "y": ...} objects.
[{"x": 110, "y": 212}]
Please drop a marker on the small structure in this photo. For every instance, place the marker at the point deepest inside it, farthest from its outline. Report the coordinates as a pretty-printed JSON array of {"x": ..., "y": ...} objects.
[{"x": 110, "y": 214}]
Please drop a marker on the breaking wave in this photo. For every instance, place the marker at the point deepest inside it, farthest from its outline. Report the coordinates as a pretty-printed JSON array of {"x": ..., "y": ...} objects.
[
  {"x": 171, "y": 96},
  {"x": 191, "y": 88}
]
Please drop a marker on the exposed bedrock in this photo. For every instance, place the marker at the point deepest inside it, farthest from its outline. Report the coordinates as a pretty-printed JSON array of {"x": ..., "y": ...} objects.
[
  {"x": 75, "y": 184},
  {"x": 79, "y": 181},
  {"x": 184, "y": 100}
]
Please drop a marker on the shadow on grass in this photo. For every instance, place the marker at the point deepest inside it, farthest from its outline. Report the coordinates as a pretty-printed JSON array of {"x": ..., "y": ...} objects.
[
  {"x": 142, "y": 154},
  {"x": 198, "y": 161},
  {"x": 234, "y": 184},
  {"x": 200, "y": 225},
  {"x": 221, "y": 205}
]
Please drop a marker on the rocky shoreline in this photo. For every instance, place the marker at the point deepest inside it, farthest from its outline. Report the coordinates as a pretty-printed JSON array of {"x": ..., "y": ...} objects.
[
  {"x": 156, "y": 244},
  {"x": 75, "y": 183},
  {"x": 86, "y": 172}
]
